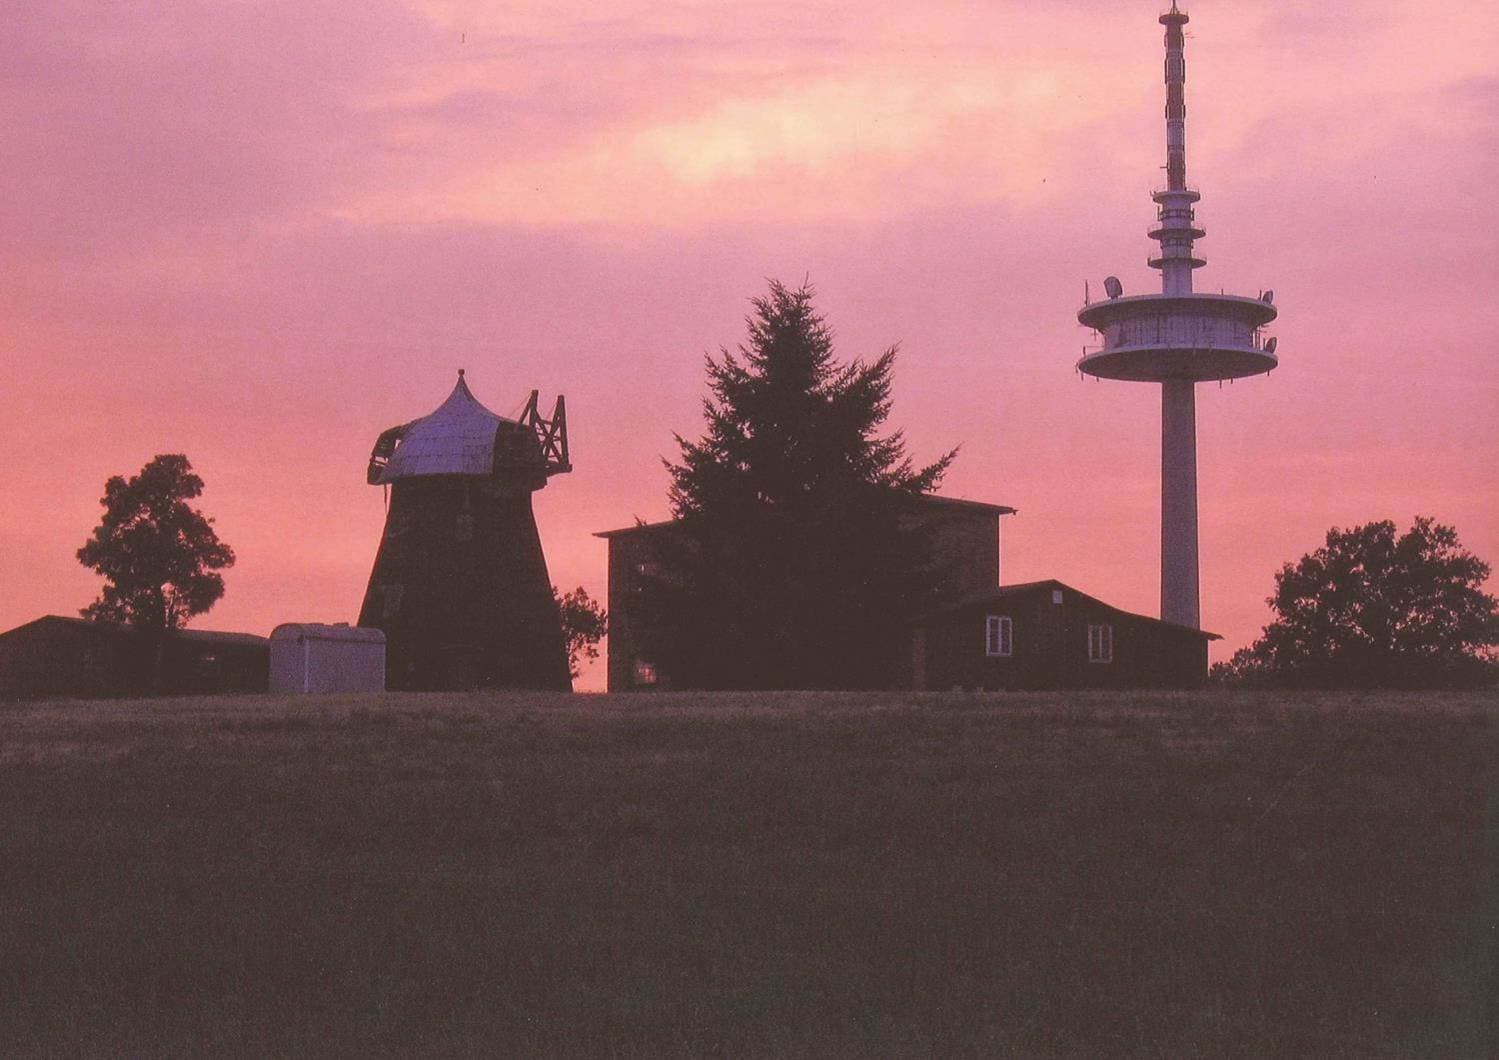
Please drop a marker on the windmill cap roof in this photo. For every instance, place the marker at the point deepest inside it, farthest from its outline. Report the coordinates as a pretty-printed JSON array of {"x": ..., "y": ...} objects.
[{"x": 457, "y": 438}]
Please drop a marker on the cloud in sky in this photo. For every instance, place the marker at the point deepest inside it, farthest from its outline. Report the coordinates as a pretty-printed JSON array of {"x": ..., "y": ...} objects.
[{"x": 260, "y": 232}]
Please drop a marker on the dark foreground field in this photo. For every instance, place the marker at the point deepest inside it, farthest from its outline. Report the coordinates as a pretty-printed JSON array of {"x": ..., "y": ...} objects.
[{"x": 786, "y": 874}]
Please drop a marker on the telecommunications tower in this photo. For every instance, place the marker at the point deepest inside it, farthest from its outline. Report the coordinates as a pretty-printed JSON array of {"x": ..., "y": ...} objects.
[{"x": 1177, "y": 338}]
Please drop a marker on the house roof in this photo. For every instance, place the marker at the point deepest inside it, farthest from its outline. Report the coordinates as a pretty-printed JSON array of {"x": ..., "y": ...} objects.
[
  {"x": 925, "y": 499},
  {"x": 457, "y": 438},
  {"x": 1011, "y": 592},
  {"x": 210, "y": 636}
]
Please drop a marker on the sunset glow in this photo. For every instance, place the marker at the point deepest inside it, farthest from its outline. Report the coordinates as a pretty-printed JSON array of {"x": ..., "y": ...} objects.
[{"x": 260, "y": 233}]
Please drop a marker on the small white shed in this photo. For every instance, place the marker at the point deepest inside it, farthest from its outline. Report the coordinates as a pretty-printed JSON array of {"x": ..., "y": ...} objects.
[{"x": 310, "y": 657}]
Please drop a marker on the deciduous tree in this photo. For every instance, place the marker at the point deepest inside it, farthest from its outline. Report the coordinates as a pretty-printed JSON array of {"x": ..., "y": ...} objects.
[
  {"x": 1376, "y": 608},
  {"x": 160, "y": 556},
  {"x": 584, "y": 624}
]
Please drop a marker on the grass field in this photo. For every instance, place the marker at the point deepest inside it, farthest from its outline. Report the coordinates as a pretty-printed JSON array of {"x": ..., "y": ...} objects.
[{"x": 790, "y": 874}]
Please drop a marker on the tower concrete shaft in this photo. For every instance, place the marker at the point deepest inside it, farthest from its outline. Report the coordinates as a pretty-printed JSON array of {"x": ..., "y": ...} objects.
[{"x": 1179, "y": 591}]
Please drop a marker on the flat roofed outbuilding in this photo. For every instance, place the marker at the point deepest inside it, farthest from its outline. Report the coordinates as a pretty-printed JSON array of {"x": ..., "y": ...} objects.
[{"x": 313, "y": 657}]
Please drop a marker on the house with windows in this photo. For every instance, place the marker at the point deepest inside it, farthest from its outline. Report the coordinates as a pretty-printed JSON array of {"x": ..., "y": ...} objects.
[{"x": 1041, "y": 635}]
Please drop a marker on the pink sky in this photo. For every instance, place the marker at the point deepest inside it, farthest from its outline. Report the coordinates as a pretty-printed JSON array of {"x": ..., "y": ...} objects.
[{"x": 261, "y": 232}]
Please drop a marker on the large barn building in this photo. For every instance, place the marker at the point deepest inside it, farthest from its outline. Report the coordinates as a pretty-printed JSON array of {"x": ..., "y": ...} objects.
[
  {"x": 964, "y": 538},
  {"x": 56, "y": 657}
]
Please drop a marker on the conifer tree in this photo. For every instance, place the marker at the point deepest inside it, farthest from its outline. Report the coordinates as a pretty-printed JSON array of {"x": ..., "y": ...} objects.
[{"x": 793, "y": 567}]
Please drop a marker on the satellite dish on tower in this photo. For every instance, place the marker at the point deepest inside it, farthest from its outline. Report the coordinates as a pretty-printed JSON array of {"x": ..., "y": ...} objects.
[
  {"x": 1271, "y": 343},
  {"x": 1268, "y": 297},
  {"x": 1113, "y": 287}
]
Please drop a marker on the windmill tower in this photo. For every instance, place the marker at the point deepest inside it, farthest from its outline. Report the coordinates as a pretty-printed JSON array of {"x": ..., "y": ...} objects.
[
  {"x": 460, "y": 585},
  {"x": 1177, "y": 338}
]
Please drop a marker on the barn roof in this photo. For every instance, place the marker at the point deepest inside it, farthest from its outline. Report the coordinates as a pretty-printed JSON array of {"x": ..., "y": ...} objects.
[
  {"x": 457, "y": 438},
  {"x": 1010, "y": 592},
  {"x": 921, "y": 500}
]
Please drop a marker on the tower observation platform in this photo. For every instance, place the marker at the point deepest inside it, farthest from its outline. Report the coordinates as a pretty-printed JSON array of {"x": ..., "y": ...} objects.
[{"x": 1177, "y": 338}]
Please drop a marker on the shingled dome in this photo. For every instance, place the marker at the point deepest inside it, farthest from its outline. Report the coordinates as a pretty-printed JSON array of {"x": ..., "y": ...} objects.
[{"x": 457, "y": 439}]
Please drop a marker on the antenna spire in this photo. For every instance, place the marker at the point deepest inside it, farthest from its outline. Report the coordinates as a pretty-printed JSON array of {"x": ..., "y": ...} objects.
[
  {"x": 1178, "y": 227},
  {"x": 1176, "y": 101}
]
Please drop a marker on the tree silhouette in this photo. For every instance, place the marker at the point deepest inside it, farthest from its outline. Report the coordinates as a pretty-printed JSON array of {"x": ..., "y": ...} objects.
[
  {"x": 584, "y": 624},
  {"x": 792, "y": 566},
  {"x": 159, "y": 556},
  {"x": 1373, "y": 609}
]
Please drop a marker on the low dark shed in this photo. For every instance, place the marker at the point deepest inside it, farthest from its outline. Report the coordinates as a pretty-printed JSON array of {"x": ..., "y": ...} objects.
[
  {"x": 59, "y": 657},
  {"x": 1045, "y": 634}
]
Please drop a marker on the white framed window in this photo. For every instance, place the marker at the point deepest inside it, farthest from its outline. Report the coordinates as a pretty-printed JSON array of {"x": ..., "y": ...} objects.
[
  {"x": 999, "y": 636},
  {"x": 1056, "y": 596},
  {"x": 1101, "y": 644}
]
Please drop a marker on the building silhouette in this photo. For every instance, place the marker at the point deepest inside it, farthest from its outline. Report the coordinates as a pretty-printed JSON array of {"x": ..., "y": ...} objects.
[
  {"x": 57, "y": 656},
  {"x": 460, "y": 584},
  {"x": 1042, "y": 635},
  {"x": 963, "y": 538}
]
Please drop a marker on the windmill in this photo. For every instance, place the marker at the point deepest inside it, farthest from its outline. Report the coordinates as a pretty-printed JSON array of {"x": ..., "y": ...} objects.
[{"x": 460, "y": 584}]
